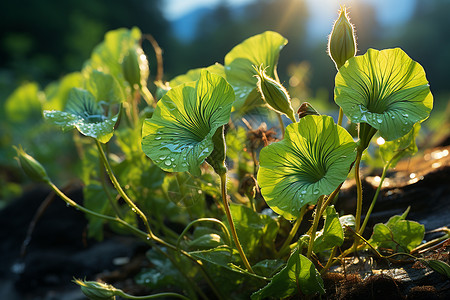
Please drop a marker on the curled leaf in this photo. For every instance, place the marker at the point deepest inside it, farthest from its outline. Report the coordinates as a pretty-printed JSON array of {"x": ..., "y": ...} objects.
[
  {"x": 84, "y": 113},
  {"x": 385, "y": 89},
  {"x": 312, "y": 160},
  {"x": 179, "y": 136}
]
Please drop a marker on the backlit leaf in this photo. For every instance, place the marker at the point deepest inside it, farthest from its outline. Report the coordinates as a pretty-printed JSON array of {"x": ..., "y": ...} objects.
[
  {"x": 179, "y": 136},
  {"x": 299, "y": 274},
  {"x": 84, "y": 113},
  {"x": 385, "y": 89},
  {"x": 312, "y": 160},
  {"x": 259, "y": 50}
]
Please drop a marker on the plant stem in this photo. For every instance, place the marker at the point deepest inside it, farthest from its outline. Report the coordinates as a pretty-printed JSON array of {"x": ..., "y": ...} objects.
[
  {"x": 330, "y": 260},
  {"x": 223, "y": 185},
  {"x": 155, "y": 296},
  {"x": 149, "y": 237},
  {"x": 122, "y": 193},
  {"x": 312, "y": 233},
  {"x": 341, "y": 116},
  {"x": 293, "y": 231},
  {"x": 280, "y": 120},
  {"x": 108, "y": 193},
  {"x": 212, "y": 220},
  {"x": 358, "y": 197}
]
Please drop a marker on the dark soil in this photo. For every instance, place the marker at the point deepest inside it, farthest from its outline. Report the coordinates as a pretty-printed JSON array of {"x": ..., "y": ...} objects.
[{"x": 58, "y": 249}]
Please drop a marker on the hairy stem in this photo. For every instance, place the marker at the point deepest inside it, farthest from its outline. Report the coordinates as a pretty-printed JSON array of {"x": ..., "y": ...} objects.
[
  {"x": 223, "y": 183},
  {"x": 280, "y": 120},
  {"x": 358, "y": 197},
  {"x": 122, "y": 193}
]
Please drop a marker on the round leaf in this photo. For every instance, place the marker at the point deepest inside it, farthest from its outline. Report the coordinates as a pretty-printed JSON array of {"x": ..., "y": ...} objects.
[
  {"x": 262, "y": 49},
  {"x": 179, "y": 136},
  {"x": 385, "y": 89},
  {"x": 312, "y": 160}
]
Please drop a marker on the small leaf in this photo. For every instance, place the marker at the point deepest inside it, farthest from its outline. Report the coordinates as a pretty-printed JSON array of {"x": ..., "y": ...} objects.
[
  {"x": 299, "y": 274},
  {"x": 179, "y": 136},
  {"x": 259, "y": 50},
  {"x": 332, "y": 233},
  {"x": 84, "y": 113},
  {"x": 438, "y": 266},
  {"x": 257, "y": 232},
  {"x": 104, "y": 87},
  {"x": 223, "y": 256},
  {"x": 385, "y": 89},
  {"x": 398, "y": 234},
  {"x": 312, "y": 160}
]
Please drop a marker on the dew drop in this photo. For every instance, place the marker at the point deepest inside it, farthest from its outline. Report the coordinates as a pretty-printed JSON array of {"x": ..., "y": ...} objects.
[
  {"x": 393, "y": 117},
  {"x": 157, "y": 138},
  {"x": 316, "y": 192},
  {"x": 303, "y": 192},
  {"x": 172, "y": 159},
  {"x": 167, "y": 162},
  {"x": 162, "y": 157},
  {"x": 184, "y": 164},
  {"x": 380, "y": 121},
  {"x": 405, "y": 115}
]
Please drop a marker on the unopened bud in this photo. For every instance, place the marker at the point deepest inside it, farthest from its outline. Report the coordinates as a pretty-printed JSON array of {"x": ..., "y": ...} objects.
[
  {"x": 306, "y": 109},
  {"x": 97, "y": 290},
  {"x": 135, "y": 67},
  {"x": 342, "y": 41},
  {"x": 274, "y": 93},
  {"x": 31, "y": 166}
]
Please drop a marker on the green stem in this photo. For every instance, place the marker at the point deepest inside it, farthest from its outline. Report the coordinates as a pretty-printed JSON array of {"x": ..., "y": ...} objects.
[
  {"x": 292, "y": 233},
  {"x": 212, "y": 220},
  {"x": 122, "y": 193},
  {"x": 330, "y": 198},
  {"x": 145, "y": 236},
  {"x": 280, "y": 120},
  {"x": 223, "y": 183},
  {"x": 358, "y": 197},
  {"x": 330, "y": 260},
  {"x": 155, "y": 296},
  {"x": 341, "y": 116},
  {"x": 108, "y": 193},
  {"x": 312, "y": 233}
]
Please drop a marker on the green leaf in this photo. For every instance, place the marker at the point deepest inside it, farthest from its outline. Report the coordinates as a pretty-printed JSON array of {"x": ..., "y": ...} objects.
[
  {"x": 312, "y": 160},
  {"x": 385, "y": 89},
  {"x": 24, "y": 103},
  {"x": 259, "y": 50},
  {"x": 268, "y": 267},
  {"x": 57, "y": 93},
  {"x": 332, "y": 233},
  {"x": 402, "y": 147},
  {"x": 104, "y": 87},
  {"x": 438, "y": 266},
  {"x": 299, "y": 274},
  {"x": 398, "y": 234},
  {"x": 84, "y": 113},
  {"x": 108, "y": 55},
  {"x": 257, "y": 232},
  {"x": 179, "y": 136},
  {"x": 194, "y": 74},
  {"x": 223, "y": 256}
]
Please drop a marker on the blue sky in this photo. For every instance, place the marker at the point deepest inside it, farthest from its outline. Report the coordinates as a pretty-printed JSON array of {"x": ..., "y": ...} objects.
[{"x": 323, "y": 12}]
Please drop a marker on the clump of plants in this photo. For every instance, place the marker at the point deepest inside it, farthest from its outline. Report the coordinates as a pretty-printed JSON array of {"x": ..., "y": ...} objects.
[{"x": 186, "y": 154}]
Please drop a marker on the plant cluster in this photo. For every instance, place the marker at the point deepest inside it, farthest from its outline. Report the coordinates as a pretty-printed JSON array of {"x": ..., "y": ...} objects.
[{"x": 184, "y": 157}]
